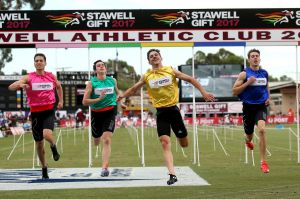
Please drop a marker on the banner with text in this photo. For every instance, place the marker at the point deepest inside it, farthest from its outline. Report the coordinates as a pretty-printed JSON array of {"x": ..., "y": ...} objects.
[{"x": 173, "y": 25}]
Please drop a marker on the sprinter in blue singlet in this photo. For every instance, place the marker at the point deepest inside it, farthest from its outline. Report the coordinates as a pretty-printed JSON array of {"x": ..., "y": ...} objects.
[{"x": 253, "y": 90}]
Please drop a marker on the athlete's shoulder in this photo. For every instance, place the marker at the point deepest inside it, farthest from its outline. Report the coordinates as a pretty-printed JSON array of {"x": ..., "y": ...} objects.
[
  {"x": 110, "y": 78},
  {"x": 50, "y": 74},
  {"x": 167, "y": 67},
  {"x": 247, "y": 69},
  {"x": 31, "y": 76},
  {"x": 31, "y": 73},
  {"x": 263, "y": 70},
  {"x": 92, "y": 78},
  {"x": 148, "y": 72}
]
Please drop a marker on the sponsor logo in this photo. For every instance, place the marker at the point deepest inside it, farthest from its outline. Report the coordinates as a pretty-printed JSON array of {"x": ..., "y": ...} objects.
[
  {"x": 199, "y": 18},
  {"x": 277, "y": 18},
  {"x": 172, "y": 18},
  {"x": 67, "y": 19},
  {"x": 260, "y": 82},
  {"x": 160, "y": 82},
  {"x": 42, "y": 86},
  {"x": 14, "y": 20},
  {"x": 95, "y": 19},
  {"x": 108, "y": 90}
]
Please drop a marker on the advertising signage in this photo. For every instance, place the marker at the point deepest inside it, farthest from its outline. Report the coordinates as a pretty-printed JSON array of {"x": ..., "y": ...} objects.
[
  {"x": 142, "y": 26},
  {"x": 150, "y": 19}
]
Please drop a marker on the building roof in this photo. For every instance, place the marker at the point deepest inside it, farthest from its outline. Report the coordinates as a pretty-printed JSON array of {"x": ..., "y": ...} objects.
[{"x": 279, "y": 85}]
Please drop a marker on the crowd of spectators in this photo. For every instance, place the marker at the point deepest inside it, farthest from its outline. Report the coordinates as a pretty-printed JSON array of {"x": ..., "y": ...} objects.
[{"x": 14, "y": 119}]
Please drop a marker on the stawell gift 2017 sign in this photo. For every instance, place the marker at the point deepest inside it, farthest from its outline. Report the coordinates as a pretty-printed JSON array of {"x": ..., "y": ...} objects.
[{"x": 144, "y": 26}]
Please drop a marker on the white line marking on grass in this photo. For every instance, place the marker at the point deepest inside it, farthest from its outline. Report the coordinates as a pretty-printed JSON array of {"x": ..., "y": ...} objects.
[{"x": 73, "y": 178}]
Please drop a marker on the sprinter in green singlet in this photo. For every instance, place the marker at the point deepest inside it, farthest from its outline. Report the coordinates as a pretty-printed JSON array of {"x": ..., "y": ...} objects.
[{"x": 101, "y": 94}]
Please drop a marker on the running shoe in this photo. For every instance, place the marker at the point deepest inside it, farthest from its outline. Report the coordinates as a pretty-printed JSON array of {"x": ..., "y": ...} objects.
[
  {"x": 45, "y": 173},
  {"x": 264, "y": 167},
  {"x": 105, "y": 172},
  {"x": 172, "y": 179},
  {"x": 55, "y": 153},
  {"x": 250, "y": 145}
]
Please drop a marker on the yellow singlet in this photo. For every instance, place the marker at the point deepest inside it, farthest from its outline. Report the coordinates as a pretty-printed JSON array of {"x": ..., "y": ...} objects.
[{"x": 162, "y": 87}]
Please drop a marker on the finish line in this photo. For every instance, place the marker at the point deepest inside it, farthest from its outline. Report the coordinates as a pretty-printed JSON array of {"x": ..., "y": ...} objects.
[{"x": 74, "y": 178}]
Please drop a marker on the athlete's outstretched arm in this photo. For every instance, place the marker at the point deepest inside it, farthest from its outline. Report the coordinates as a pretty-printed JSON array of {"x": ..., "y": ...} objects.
[
  {"x": 118, "y": 93},
  {"x": 207, "y": 96},
  {"x": 22, "y": 83},
  {"x": 132, "y": 90}
]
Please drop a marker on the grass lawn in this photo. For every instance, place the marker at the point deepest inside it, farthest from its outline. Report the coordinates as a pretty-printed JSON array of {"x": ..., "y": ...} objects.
[{"x": 228, "y": 175}]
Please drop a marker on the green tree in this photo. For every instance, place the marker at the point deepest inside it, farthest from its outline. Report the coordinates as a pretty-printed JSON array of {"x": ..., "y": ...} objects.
[
  {"x": 24, "y": 72},
  {"x": 126, "y": 75},
  {"x": 285, "y": 78},
  {"x": 6, "y": 54},
  {"x": 6, "y": 57},
  {"x": 226, "y": 57},
  {"x": 223, "y": 56},
  {"x": 273, "y": 79}
]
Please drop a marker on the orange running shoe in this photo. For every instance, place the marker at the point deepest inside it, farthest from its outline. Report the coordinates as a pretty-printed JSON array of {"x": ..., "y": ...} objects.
[
  {"x": 250, "y": 145},
  {"x": 264, "y": 167}
]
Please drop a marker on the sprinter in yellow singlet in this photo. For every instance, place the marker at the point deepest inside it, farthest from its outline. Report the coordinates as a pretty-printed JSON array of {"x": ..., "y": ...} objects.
[{"x": 163, "y": 90}]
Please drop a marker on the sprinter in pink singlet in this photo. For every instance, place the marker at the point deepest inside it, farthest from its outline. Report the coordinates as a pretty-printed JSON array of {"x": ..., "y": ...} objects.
[{"x": 40, "y": 87}]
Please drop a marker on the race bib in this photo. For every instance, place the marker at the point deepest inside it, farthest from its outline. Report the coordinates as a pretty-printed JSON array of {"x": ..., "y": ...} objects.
[
  {"x": 260, "y": 82},
  {"x": 107, "y": 90},
  {"x": 160, "y": 82},
  {"x": 45, "y": 86}
]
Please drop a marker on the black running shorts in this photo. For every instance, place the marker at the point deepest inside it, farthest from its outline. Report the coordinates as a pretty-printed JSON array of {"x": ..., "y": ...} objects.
[
  {"x": 102, "y": 122},
  {"x": 40, "y": 121},
  {"x": 252, "y": 113},
  {"x": 170, "y": 117}
]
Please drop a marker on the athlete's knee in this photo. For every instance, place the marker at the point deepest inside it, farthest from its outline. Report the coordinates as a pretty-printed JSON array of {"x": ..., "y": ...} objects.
[
  {"x": 165, "y": 141},
  {"x": 184, "y": 142},
  {"x": 96, "y": 141},
  {"x": 47, "y": 131},
  {"x": 40, "y": 146},
  {"x": 106, "y": 140},
  {"x": 262, "y": 131}
]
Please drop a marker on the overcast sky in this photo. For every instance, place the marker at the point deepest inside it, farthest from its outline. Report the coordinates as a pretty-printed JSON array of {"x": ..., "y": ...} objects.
[{"x": 278, "y": 60}]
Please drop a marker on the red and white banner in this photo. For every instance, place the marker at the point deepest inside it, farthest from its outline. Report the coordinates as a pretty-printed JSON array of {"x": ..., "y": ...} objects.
[
  {"x": 232, "y": 120},
  {"x": 87, "y": 37},
  {"x": 239, "y": 120},
  {"x": 143, "y": 26},
  {"x": 212, "y": 107}
]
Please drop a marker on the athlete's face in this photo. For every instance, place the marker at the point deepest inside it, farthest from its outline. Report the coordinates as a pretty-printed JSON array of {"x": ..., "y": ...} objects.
[
  {"x": 39, "y": 63},
  {"x": 254, "y": 59},
  {"x": 100, "y": 67},
  {"x": 154, "y": 58}
]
